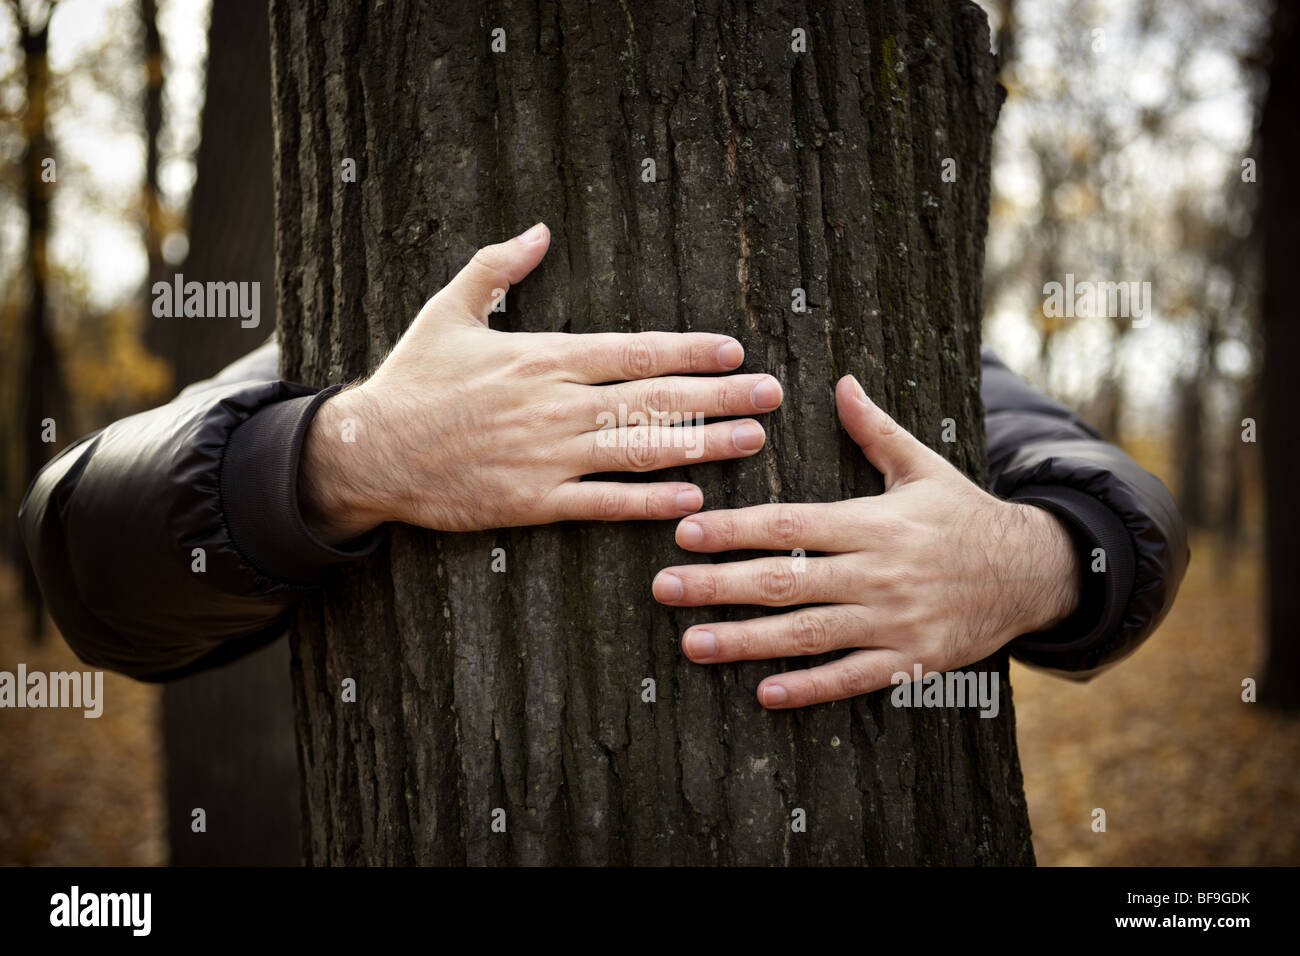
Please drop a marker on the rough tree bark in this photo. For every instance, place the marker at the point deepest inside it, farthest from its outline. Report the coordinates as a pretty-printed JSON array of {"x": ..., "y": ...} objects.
[
  {"x": 228, "y": 732},
  {"x": 523, "y": 691},
  {"x": 1279, "y": 427}
]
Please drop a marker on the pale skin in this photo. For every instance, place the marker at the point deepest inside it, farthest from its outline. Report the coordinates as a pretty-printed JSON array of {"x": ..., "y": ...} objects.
[
  {"x": 466, "y": 428},
  {"x": 935, "y": 571}
]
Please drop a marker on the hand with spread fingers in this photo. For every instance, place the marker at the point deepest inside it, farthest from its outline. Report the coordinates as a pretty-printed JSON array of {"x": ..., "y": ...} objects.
[
  {"x": 464, "y": 427},
  {"x": 934, "y": 571}
]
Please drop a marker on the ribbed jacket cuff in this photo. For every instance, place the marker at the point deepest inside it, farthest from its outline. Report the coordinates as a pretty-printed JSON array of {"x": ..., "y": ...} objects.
[
  {"x": 259, "y": 495},
  {"x": 1103, "y": 596}
]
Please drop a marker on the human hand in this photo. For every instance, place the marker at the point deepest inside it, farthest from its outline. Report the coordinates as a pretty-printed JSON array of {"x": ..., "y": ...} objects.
[
  {"x": 465, "y": 427},
  {"x": 935, "y": 571}
]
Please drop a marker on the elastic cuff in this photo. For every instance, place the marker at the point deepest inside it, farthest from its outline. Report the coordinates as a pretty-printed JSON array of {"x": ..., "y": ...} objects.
[
  {"x": 1103, "y": 595},
  {"x": 259, "y": 495}
]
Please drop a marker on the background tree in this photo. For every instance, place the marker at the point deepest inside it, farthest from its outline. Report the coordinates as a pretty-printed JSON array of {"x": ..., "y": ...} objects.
[
  {"x": 41, "y": 391},
  {"x": 231, "y": 234},
  {"x": 150, "y": 199},
  {"x": 228, "y": 733},
  {"x": 776, "y": 167},
  {"x": 1115, "y": 158}
]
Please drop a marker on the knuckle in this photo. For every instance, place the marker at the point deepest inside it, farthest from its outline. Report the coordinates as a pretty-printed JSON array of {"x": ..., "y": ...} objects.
[
  {"x": 545, "y": 413},
  {"x": 536, "y": 363},
  {"x": 640, "y": 453},
  {"x": 865, "y": 628},
  {"x": 533, "y": 491},
  {"x": 889, "y": 528},
  {"x": 721, "y": 528},
  {"x": 608, "y": 505},
  {"x": 661, "y": 397},
  {"x": 785, "y": 526},
  {"x": 815, "y": 690},
  {"x": 810, "y": 634},
  {"x": 849, "y": 682},
  {"x": 888, "y": 581},
  {"x": 430, "y": 306},
  {"x": 487, "y": 257},
  {"x": 700, "y": 355},
  {"x": 655, "y": 505},
  {"x": 738, "y": 394},
  {"x": 636, "y": 358},
  {"x": 743, "y": 641},
  {"x": 778, "y": 583}
]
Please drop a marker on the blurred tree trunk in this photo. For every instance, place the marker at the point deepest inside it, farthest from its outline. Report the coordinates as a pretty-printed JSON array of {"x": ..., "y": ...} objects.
[
  {"x": 1189, "y": 439},
  {"x": 228, "y": 733},
  {"x": 1279, "y": 424},
  {"x": 519, "y": 698},
  {"x": 153, "y": 118},
  {"x": 1189, "y": 445},
  {"x": 43, "y": 409},
  {"x": 1228, "y": 520},
  {"x": 231, "y": 229}
]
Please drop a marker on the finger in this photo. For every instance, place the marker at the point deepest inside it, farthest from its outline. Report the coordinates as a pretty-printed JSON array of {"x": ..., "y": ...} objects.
[
  {"x": 831, "y": 526},
  {"x": 892, "y": 449},
  {"x": 859, "y": 672},
  {"x": 628, "y": 356},
  {"x": 812, "y": 630},
  {"x": 674, "y": 399},
  {"x": 649, "y": 448},
  {"x": 625, "y": 501},
  {"x": 494, "y": 269},
  {"x": 771, "y": 582}
]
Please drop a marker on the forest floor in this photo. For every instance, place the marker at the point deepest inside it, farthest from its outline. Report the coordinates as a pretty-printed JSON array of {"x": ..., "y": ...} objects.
[
  {"x": 1186, "y": 772},
  {"x": 77, "y": 791}
]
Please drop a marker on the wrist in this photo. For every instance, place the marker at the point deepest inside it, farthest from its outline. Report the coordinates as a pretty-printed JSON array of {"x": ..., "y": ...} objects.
[
  {"x": 337, "y": 494},
  {"x": 1049, "y": 579}
]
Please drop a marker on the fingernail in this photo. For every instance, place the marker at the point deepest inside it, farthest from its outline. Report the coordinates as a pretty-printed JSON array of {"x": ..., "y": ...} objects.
[
  {"x": 766, "y": 394},
  {"x": 774, "y": 695},
  {"x": 701, "y": 644},
  {"x": 862, "y": 395},
  {"x": 533, "y": 235},
  {"x": 667, "y": 587},
  {"x": 689, "y": 501},
  {"x": 689, "y": 534},
  {"x": 747, "y": 437},
  {"x": 730, "y": 354}
]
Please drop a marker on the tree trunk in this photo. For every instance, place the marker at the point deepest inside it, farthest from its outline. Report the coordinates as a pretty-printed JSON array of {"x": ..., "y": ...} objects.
[
  {"x": 525, "y": 691},
  {"x": 231, "y": 211},
  {"x": 1189, "y": 449},
  {"x": 1279, "y": 429},
  {"x": 153, "y": 118},
  {"x": 228, "y": 733},
  {"x": 42, "y": 392}
]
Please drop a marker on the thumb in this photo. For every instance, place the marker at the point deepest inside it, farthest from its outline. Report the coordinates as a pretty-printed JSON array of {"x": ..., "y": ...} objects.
[
  {"x": 892, "y": 449},
  {"x": 493, "y": 270}
]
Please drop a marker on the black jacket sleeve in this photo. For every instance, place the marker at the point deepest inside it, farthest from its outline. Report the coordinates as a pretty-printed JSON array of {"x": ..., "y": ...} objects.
[
  {"x": 1131, "y": 541},
  {"x": 172, "y": 541}
]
